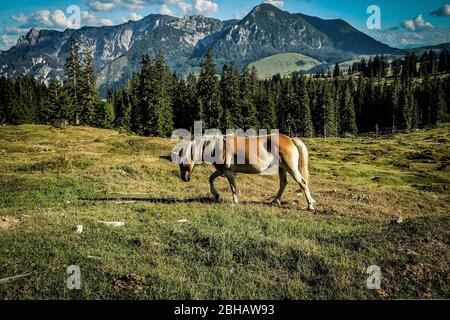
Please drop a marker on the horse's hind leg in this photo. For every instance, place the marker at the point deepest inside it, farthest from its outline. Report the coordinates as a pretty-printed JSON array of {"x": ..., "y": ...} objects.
[
  {"x": 283, "y": 184},
  {"x": 232, "y": 180},
  {"x": 213, "y": 177},
  {"x": 295, "y": 173}
]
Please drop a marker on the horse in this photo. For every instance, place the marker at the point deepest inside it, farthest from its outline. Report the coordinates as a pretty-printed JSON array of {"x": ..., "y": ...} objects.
[{"x": 248, "y": 155}]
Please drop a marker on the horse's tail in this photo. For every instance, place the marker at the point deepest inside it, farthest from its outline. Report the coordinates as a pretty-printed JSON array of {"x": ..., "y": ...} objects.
[{"x": 304, "y": 155}]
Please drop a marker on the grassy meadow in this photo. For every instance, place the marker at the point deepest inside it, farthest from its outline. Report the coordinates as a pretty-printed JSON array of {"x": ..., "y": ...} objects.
[
  {"x": 284, "y": 64},
  {"x": 380, "y": 201}
]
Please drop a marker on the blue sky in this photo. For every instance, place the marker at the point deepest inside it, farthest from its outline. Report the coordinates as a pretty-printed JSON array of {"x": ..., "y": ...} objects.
[{"x": 403, "y": 23}]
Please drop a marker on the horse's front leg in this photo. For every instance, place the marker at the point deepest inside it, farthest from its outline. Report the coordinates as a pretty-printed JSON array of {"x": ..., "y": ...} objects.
[
  {"x": 232, "y": 180},
  {"x": 213, "y": 177}
]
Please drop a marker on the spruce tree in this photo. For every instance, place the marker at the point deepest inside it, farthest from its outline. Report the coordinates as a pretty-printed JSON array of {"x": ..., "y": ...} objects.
[
  {"x": 208, "y": 93},
  {"x": 303, "y": 113},
  {"x": 162, "y": 124},
  {"x": 156, "y": 85},
  {"x": 57, "y": 106},
  {"x": 337, "y": 71},
  {"x": 247, "y": 99},
  {"x": 267, "y": 109},
  {"x": 122, "y": 108},
  {"x": 88, "y": 98},
  {"x": 72, "y": 84},
  {"x": 327, "y": 115},
  {"x": 347, "y": 121},
  {"x": 230, "y": 98},
  {"x": 394, "y": 93}
]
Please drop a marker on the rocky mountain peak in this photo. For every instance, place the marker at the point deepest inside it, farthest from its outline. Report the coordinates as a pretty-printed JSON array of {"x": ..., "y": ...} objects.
[
  {"x": 265, "y": 31},
  {"x": 31, "y": 38}
]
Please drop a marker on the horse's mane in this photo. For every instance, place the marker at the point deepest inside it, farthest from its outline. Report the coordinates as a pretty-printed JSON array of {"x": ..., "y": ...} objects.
[{"x": 194, "y": 150}]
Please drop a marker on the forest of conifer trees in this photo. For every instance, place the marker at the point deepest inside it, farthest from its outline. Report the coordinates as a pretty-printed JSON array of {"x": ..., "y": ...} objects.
[{"x": 371, "y": 96}]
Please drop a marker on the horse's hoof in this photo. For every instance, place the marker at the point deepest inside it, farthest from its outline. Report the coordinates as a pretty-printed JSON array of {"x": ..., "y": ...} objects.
[
  {"x": 311, "y": 208},
  {"x": 276, "y": 203},
  {"x": 216, "y": 198}
]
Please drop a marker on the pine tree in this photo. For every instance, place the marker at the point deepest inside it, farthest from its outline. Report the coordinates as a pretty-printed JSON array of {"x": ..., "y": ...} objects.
[
  {"x": 327, "y": 111},
  {"x": 267, "y": 109},
  {"x": 72, "y": 84},
  {"x": 163, "y": 125},
  {"x": 347, "y": 121},
  {"x": 394, "y": 93},
  {"x": 122, "y": 108},
  {"x": 6, "y": 99},
  {"x": 208, "y": 93},
  {"x": 195, "y": 113},
  {"x": 247, "y": 99},
  {"x": 88, "y": 98},
  {"x": 140, "y": 114},
  {"x": 438, "y": 104},
  {"x": 230, "y": 98},
  {"x": 443, "y": 61},
  {"x": 57, "y": 106},
  {"x": 155, "y": 87},
  {"x": 337, "y": 71},
  {"x": 303, "y": 113}
]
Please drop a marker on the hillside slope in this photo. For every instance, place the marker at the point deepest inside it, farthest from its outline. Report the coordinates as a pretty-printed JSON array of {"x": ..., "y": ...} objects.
[{"x": 380, "y": 201}]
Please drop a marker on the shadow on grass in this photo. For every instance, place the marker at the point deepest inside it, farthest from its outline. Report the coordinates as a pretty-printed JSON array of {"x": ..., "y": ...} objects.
[
  {"x": 167, "y": 200},
  {"x": 206, "y": 200},
  {"x": 170, "y": 200}
]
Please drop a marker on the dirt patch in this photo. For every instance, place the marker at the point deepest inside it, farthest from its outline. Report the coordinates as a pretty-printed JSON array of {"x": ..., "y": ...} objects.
[
  {"x": 8, "y": 222},
  {"x": 132, "y": 282}
]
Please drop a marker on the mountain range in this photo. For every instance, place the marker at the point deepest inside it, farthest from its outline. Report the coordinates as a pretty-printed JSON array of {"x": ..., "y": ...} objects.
[{"x": 264, "y": 32}]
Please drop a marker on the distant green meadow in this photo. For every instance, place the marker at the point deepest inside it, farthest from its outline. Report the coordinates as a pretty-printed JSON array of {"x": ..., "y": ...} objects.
[{"x": 284, "y": 64}]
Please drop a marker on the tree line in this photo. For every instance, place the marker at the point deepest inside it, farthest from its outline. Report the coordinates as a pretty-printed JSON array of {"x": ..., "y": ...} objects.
[
  {"x": 155, "y": 101},
  {"x": 297, "y": 105},
  {"x": 72, "y": 101}
]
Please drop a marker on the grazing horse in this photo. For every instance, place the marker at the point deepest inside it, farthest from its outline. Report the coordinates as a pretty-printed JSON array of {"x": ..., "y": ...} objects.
[{"x": 248, "y": 155}]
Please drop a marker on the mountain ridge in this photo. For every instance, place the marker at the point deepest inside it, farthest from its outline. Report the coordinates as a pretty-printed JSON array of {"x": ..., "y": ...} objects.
[{"x": 264, "y": 31}]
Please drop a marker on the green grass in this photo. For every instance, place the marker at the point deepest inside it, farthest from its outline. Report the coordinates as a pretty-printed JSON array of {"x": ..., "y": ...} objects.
[
  {"x": 52, "y": 180},
  {"x": 284, "y": 64}
]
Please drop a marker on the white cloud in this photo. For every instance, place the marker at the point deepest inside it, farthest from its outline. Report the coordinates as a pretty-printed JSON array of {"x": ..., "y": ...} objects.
[
  {"x": 205, "y": 6},
  {"x": 89, "y": 19},
  {"x": 60, "y": 19},
  {"x": 166, "y": 6},
  {"x": 21, "y": 18},
  {"x": 417, "y": 24},
  {"x": 102, "y": 6},
  {"x": 401, "y": 38},
  {"x": 42, "y": 17},
  {"x": 165, "y": 10},
  {"x": 14, "y": 30},
  {"x": 183, "y": 6},
  {"x": 7, "y": 41},
  {"x": 109, "y": 5},
  {"x": 443, "y": 11},
  {"x": 276, "y": 3},
  {"x": 133, "y": 17}
]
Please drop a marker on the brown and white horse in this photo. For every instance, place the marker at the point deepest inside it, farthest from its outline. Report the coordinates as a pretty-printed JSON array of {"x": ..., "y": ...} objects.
[{"x": 249, "y": 155}]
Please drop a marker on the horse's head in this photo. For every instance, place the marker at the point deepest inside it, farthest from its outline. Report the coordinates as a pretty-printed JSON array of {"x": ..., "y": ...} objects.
[
  {"x": 186, "y": 171},
  {"x": 186, "y": 162}
]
